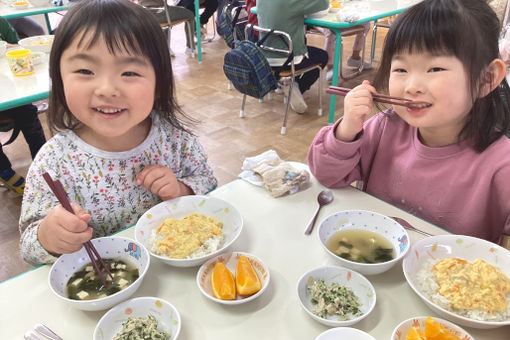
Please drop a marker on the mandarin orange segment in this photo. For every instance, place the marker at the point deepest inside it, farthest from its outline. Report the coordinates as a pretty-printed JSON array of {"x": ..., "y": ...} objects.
[
  {"x": 222, "y": 282},
  {"x": 415, "y": 333},
  {"x": 247, "y": 281},
  {"x": 432, "y": 328}
]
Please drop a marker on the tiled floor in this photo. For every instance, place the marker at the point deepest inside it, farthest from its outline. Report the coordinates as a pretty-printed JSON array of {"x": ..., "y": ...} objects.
[{"x": 202, "y": 92}]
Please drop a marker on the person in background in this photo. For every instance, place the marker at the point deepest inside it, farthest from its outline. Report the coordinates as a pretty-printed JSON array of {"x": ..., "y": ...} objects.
[
  {"x": 355, "y": 58},
  {"x": 210, "y": 7},
  {"x": 26, "y": 27},
  {"x": 122, "y": 145},
  {"x": 25, "y": 119},
  {"x": 447, "y": 161},
  {"x": 288, "y": 16},
  {"x": 175, "y": 13}
]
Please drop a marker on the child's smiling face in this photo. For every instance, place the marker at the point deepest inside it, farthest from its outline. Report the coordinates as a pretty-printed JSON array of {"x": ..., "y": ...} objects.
[
  {"x": 112, "y": 95},
  {"x": 438, "y": 80}
]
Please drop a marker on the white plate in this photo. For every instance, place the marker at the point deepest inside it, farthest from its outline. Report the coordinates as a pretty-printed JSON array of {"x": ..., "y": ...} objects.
[
  {"x": 400, "y": 332},
  {"x": 359, "y": 285},
  {"x": 166, "y": 314},
  {"x": 230, "y": 261},
  {"x": 347, "y": 333},
  {"x": 179, "y": 208},
  {"x": 465, "y": 247}
]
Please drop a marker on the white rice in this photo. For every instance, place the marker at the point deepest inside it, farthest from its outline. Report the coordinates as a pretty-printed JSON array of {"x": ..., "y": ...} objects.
[
  {"x": 426, "y": 283},
  {"x": 209, "y": 246}
]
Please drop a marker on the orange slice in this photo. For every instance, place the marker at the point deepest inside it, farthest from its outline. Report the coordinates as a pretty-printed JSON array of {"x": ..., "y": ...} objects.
[
  {"x": 222, "y": 282},
  {"x": 415, "y": 333},
  {"x": 435, "y": 331},
  {"x": 247, "y": 281}
]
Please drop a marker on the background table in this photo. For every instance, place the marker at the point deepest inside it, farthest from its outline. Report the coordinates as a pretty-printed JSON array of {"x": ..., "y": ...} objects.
[
  {"x": 9, "y": 12},
  {"x": 273, "y": 231},
  {"x": 16, "y": 91}
]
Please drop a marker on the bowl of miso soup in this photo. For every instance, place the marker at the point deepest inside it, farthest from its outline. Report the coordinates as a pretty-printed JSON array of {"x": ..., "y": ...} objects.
[
  {"x": 73, "y": 279},
  {"x": 364, "y": 241}
]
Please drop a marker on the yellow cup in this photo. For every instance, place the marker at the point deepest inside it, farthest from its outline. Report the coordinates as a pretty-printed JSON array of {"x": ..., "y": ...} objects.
[{"x": 20, "y": 62}]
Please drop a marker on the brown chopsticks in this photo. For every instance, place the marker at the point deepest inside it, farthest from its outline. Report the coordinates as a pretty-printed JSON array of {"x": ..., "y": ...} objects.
[
  {"x": 382, "y": 98},
  {"x": 58, "y": 190}
]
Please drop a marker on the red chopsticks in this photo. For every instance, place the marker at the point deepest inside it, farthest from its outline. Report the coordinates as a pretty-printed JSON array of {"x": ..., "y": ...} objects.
[
  {"x": 58, "y": 190},
  {"x": 382, "y": 98}
]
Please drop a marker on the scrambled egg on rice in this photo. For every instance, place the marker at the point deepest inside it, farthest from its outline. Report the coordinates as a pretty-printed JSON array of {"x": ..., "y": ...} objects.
[{"x": 184, "y": 237}]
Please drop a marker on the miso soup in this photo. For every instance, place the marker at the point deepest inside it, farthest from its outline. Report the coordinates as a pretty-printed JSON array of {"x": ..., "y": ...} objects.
[
  {"x": 85, "y": 284},
  {"x": 361, "y": 246}
]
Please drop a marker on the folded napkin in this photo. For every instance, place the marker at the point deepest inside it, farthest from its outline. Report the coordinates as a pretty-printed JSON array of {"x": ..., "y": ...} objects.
[{"x": 277, "y": 176}]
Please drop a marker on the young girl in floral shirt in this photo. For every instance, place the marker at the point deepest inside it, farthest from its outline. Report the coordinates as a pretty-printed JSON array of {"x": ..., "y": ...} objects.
[{"x": 121, "y": 148}]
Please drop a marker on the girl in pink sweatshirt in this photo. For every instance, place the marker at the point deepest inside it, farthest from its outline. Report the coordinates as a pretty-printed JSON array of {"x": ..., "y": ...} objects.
[{"x": 449, "y": 162}]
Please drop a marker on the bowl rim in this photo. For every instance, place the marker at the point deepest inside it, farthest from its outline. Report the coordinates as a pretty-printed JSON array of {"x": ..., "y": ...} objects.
[
  {"x": 106, "y": 298},
  {"x": 344, "y": 328},
  {"x": 337, "y": 322},
  {"x": 365, "y": 265},
  {"x": 438, "y": 319},
  {"x": 141, "y": 298},
  {"x": 430, "y": 240},
  {"x": 37, "y": 37},
  {"x": 233, "y": 302},
  {"x": 205, "y": 257}
]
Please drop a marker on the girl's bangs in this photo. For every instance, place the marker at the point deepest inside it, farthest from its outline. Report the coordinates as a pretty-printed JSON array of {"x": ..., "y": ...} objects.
[{"x": 115, "y": 39}]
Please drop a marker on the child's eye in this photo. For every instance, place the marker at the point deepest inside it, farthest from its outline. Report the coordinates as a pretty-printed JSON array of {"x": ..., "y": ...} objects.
[
  {"x": 436, "y": 69},
  {"x": 85, "y": 71},
  {"x": 130, "y": 74},
  {"x": 399, "y": 70}
]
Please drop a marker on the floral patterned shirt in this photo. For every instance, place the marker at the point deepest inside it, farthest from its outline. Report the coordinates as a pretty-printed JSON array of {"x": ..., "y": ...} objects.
[{"x": 104, "y": 183}]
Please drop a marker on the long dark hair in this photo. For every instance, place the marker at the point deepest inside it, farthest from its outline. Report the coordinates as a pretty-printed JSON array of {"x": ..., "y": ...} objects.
[
  {"x": 468, "y": 30},
  {"x": 124, "y": 26}
]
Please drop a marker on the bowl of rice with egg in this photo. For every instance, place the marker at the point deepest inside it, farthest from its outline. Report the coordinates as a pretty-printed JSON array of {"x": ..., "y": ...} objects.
[
  {"x": 189, "y": 230},
  {"x": 464, "y": 279}
]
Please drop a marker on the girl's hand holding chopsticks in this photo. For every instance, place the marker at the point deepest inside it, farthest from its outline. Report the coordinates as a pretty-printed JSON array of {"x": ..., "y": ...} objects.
[
  {"x": 62, "y": 232},
  {"x": 357, "y": 107}
]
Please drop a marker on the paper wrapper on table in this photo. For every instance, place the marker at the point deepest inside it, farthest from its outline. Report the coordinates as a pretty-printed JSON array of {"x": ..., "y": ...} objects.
[{"x": 277, "y": 176}]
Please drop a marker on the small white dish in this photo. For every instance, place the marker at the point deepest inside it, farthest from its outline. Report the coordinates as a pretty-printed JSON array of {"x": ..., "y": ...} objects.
[
  {"x": 181, "y": 207},
  {"x": 464, "y": 247},
  {"x": 165, "y": 313},
  {"x": 400, "y": 332},
  {"x": 369, "y": 221},
  {"x": 356, "y": 282},
  {"x": 38, "y": 43},
  {"x": 347, "y": 333},
  {"x": 20, "y": 5},
  {"x": 230, "y": 261}
]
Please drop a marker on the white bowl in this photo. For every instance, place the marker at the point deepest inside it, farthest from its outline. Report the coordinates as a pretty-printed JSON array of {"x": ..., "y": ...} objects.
[
  {"x": 370, "y": 221},
  {"x": 179, "y": 208},
  {"x": 230, "y": 261},
  {"x": 3, "y": 48},
  {"x": 21, "y": 6},
  {"x": 38, "y": 43},
  {"x": 346, "y": 333},
  {"x": 37, "y": 57},
  {"x": 334, "y": 9},
  {"x": 107, "y": 247},
  {"x": 39, "y": 3},
  {"x": 166, "y": 315},
  {"x": 400, "y": 332},
  {"x": 356, "y": 282},
  {"x": 466, "y": 247}
]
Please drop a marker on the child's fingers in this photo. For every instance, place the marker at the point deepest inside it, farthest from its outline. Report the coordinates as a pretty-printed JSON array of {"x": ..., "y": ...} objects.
[
  {"x": 80, "y": 212},
  {"x": 69, "y": 221},
  {"x": 149, "y": 173},
  {"x": 71, "y": 241}
]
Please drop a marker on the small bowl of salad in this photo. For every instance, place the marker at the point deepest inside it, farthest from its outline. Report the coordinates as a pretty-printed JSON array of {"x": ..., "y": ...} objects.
[
  {"x": 336, "y": 296},
  {"x": 140, "y": 318}
]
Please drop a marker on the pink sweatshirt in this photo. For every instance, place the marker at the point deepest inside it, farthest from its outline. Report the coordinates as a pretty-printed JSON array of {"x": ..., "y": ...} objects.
[{"x": 453, "y": 187}]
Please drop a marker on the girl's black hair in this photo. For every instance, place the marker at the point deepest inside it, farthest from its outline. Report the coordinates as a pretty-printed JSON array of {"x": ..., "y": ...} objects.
[
  {"x": 124, "y": 26},
  {"x": 468, "y": 30}
]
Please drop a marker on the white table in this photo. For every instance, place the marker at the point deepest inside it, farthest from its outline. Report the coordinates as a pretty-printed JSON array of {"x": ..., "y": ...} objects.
[
  {"x": 16, "y": 91},
  {"x": 273, "y": 231},
  {"x": 9, "y": 12}
]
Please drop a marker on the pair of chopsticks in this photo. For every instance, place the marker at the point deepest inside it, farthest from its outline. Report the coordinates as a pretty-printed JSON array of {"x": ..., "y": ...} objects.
[
  {"x": 58, "y": 190},
  {"x": 382, "y": 98}
]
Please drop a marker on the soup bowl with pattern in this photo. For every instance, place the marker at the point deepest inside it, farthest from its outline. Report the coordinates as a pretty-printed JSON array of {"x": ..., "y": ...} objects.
[
  {"x": 146, "y": 229},
  {"x": 385, "y": 228},
  {"x": 130, "y": 252}
]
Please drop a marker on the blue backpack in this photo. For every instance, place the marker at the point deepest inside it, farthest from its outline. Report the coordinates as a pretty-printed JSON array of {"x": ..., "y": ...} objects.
[
  {"x": 226, "y": 24},
  {"x": 247, "y": 68}
]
